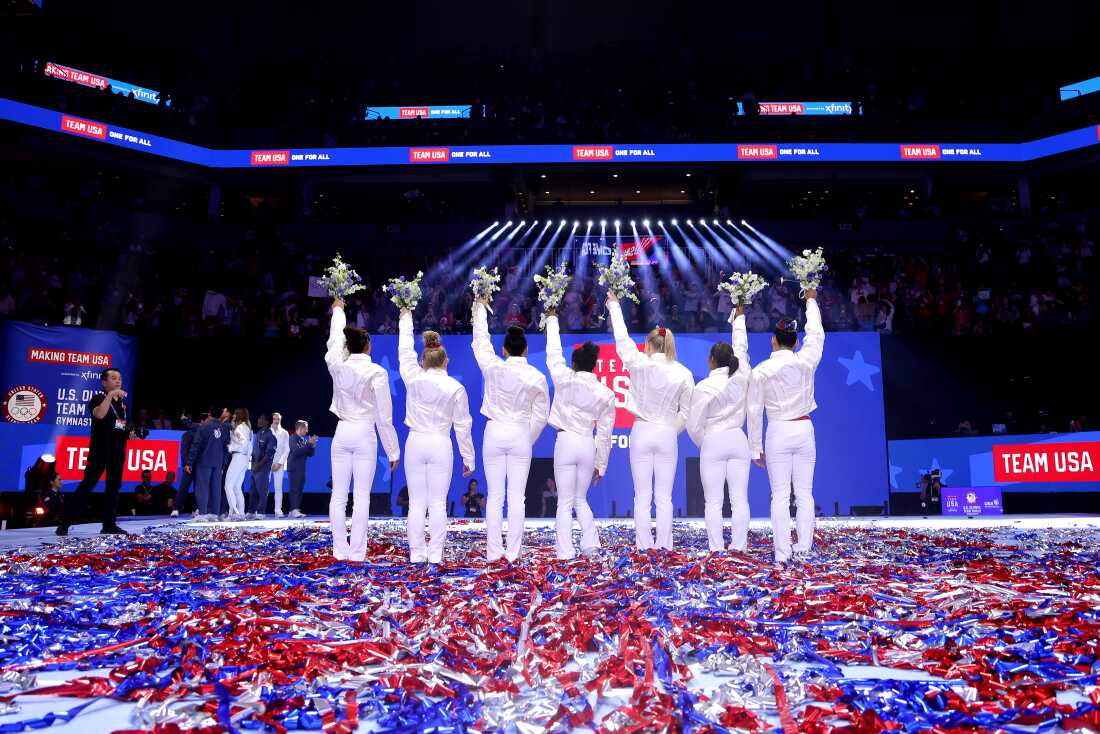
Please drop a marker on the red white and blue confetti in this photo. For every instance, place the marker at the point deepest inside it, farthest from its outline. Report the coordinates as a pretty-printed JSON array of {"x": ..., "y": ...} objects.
[{"x": 229, "y": 629}]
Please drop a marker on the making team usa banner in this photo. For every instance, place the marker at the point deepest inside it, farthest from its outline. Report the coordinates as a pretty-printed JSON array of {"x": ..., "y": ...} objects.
[{"x": 50, "y": 372}]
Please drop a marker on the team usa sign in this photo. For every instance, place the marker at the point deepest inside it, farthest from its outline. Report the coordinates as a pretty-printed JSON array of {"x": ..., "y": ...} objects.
[{"x": 1054, "y": 462}]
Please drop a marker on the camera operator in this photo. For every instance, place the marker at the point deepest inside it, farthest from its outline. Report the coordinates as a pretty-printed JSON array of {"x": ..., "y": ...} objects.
[{"x": 930, "y": 485}]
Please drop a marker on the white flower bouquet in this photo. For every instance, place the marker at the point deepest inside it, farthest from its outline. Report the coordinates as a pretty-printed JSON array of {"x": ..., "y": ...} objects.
[
  {"x": 743, "y": 287},
  {"x": 404, "y": 293},
  {"x": 552, "y": 287},
  {"x": 340, "y": 280},
  {"x": 615, "y": 276},
  {"x": 808, "y": 268},
  {"x": 485, "y": 283}
]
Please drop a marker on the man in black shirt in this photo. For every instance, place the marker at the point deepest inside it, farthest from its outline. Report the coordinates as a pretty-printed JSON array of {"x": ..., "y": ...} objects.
[
  {"x": 106, "y": 452},
  {"x": 474, "y": 500},
  {"x": 143, "y": 495}
]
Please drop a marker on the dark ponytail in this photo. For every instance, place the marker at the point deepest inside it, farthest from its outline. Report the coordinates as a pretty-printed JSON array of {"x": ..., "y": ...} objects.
[{"x": 722, "y": 355}]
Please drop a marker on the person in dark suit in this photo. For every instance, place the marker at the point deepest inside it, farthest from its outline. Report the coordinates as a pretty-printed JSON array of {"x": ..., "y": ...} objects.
[
  {"x": 190, "y": 428},
  {"x": 263, "y": 453},
  {"x": 301, "y": 448},
  {"x": 106, "y": 453},
  {"x": 206, "y": 461}
]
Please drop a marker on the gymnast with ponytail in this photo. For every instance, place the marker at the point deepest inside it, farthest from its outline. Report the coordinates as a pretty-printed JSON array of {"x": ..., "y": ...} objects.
[
  {"x": 435, "y": 402},
  {"x": 715, "y": 423},
  {"x": 659, "y": 397}
]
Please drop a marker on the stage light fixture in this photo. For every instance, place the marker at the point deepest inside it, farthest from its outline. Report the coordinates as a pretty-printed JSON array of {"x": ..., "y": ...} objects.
[
  {"x": 690, "y": 223},
  {"x": 509, "y": 223},
  {"x": 561, "y": 223},
  {"x": 633, "y": 223},
  {"x": 576, "y": 223},
  {"x": 744, "y": 223},
  {"x": 660, "y": 222},
  {"x": 603, "y": 222},
  {"x": 592, "y": 191},
  {"x": 675, "y": 223},
  {"x": 617, "y": 223},
  {"x": 688, "y": 175},
  {"x": 546, "y": 193},
  {"x": 543, "y": 176},
  {"x": 589, "y": 222},
  {"x": 645, "y": 222},
  {"x": 496, "y": 222},
  {"x": 637, "y": 191},
  {"x": 715, "y": 222},
  {"x": 614, "y": 175},
  {"x": 729, "y": 222}
]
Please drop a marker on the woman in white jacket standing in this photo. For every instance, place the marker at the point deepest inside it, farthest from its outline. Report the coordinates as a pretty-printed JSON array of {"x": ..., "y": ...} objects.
[
  {"x": 517, "y": 403},
  {"x": 240, "y": 452},
  {"x": 715, "y": 423},
  {"x": 278, "y": 464},
  {"x": 361, "y": 400},
  {"x": 434, "y": 402},
  {"x": 580, "y": 402},
  {"x": 659, "y": 396}
]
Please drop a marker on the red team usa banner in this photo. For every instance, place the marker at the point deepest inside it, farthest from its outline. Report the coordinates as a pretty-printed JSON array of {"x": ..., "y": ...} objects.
[
  {"x": 159, "y": 457},
  {"x": 1055, "y": 462}
]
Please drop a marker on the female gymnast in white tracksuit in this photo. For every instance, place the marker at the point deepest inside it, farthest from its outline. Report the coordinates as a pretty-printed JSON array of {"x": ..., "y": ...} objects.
[
  {"x": 784, "y": 384},
  {"x": 434, "y": 402},
  {"x": 361, "y": 400},
  {"x": 240, "y": 453},
  {"x": 278, "y": 464},
  {"x": 517, "y": 404},
  {"x": 580, "y": 402},
  {"x": 714, "y": 423},
  {"x": 659, "y": 396}
]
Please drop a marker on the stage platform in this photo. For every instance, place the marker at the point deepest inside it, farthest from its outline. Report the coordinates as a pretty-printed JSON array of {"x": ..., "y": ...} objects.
[{"x": 987, "y": 623}]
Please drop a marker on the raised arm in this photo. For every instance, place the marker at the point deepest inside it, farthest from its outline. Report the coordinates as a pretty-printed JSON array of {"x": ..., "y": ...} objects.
[
  {"x": 383, "y": 417},
  {"x": 741, "y": 341},
  {"x": 813, "y": 346},
  {"x": 406, "y": 354},
  {"x": 555, "y": 358},
  {"x": 464, "y": 427},
  {"x": 624, "y": 345},
  {"x": 483, "y": 348},
  {"x": 336, "y": 347},
  {"x": 756, "y": 415}
]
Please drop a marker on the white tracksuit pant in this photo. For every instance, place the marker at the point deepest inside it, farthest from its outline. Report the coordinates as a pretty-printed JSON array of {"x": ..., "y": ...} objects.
[
  {"x": 277, "y": 480},
  {"x": 506, "y": 454},
  {"x": 724, "y": 459},
  {"x": 790, "y": 452},
  {"x": 653, "y": 452},
  {"x": 429, "y": 460},
  {"x": 574, "y": 457},
  {"x": 354, "y": 455},
  {"x": 234, "y": 481}
]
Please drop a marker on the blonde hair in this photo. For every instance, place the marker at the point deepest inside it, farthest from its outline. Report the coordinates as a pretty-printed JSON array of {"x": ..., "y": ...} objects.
[
  {"x": 661, "y": 341},
  {"x": 435, "y": 356}
]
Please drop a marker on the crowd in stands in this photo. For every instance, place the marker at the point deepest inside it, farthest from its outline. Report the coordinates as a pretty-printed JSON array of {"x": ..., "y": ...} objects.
[{"x": 988, "y": 280}]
